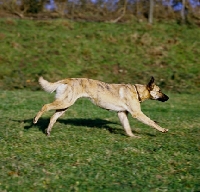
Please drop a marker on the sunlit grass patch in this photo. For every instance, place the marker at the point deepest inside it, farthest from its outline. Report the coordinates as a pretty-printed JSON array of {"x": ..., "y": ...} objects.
[
  {"x": 130, "y": 52},
  {"x": 88, "y": 150}
]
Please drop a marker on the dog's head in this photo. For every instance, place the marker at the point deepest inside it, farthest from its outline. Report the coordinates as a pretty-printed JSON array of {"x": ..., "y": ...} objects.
[{"x": 155, "y": 92}]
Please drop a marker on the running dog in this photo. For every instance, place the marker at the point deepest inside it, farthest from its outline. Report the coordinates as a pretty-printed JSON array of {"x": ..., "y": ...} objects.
[{"x": 122, "y": 98}]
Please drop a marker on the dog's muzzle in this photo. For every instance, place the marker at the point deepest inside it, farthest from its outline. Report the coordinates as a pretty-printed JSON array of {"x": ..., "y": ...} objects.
[{"x": 163, "y": 98}]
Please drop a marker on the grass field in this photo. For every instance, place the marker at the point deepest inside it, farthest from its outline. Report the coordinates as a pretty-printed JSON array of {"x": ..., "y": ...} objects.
[
  {"x": 88, "y": 151},
  {"x": 129, "y": 52}
]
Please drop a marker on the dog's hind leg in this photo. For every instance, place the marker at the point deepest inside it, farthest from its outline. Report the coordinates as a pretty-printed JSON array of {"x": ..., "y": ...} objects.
[
  {"x": 125, "y": 123},
  {"x": 53, "y": 119},
  {"x": 56, "y": 105},
  {"x": 146, "y": 120}
]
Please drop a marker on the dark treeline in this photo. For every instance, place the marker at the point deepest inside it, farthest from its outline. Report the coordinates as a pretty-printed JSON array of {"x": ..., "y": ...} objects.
[{"x": 105, "y": 11}]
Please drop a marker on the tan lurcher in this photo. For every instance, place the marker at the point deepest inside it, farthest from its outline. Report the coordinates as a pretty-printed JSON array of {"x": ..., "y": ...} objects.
[{"x": 122, "y": 98}]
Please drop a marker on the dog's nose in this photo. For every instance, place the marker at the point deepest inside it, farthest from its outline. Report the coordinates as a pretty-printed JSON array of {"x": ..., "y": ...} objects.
[{"x": 165, "y": 98}]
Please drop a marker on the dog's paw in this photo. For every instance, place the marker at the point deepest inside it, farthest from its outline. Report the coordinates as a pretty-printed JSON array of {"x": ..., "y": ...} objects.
[
  {"x": 164, "y": 130},
  {"x": 34, "y": 120},
  {"x": 47, "y": 133}
]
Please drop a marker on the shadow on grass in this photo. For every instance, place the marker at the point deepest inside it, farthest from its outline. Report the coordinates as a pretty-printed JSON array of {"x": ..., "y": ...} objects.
[
  {"x": 42, "y": 124},
  {"x": 97, "y": 123}
]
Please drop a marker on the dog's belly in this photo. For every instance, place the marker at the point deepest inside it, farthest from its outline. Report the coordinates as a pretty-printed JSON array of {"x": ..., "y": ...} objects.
[{"x": 113, "y": 106}]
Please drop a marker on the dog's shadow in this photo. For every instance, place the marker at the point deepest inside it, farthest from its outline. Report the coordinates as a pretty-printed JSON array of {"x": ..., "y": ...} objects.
[{"x": 97, "y": 123}]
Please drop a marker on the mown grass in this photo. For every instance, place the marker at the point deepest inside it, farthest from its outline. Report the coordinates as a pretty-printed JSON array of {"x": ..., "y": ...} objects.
[
  {"x": 88, "y": 151},
  {"x": 129, "y": 52}
]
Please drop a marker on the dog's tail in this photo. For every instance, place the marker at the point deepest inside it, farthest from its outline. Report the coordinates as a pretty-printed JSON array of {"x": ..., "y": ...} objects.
[{"x": 48, "y": 86}]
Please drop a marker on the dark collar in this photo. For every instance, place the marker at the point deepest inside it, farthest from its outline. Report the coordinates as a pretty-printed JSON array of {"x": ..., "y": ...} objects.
[{"x": 139, "y": 98}]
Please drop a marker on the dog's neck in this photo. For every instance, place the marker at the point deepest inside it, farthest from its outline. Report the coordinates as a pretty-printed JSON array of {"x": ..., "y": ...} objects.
[{"x": 142, "y": 92}]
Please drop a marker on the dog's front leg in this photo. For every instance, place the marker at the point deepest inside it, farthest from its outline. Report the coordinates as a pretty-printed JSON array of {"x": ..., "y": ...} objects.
[
  {"x": 125, "y": 123},
  {"x": 143, "y": 118}
]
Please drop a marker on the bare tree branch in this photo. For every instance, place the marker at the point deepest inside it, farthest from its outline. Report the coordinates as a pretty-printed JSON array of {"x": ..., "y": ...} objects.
[
  {"x": 151, "y": 9},
  {"x": 122, "y": 15}
]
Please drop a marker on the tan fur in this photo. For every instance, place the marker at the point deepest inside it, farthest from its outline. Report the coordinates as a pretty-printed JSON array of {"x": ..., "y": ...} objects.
[{"x": 122, "y": 98}]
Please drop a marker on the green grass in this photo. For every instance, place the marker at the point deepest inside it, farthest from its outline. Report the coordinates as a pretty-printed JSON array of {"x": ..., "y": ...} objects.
[
  {"x": 130, "y": 52},
  {"x": 88, "y": 151}
]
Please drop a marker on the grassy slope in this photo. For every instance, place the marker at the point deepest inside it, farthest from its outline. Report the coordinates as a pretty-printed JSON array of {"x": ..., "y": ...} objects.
[
  {"x": 88, "y": 150},
  {"x": 128, "y": 53}
]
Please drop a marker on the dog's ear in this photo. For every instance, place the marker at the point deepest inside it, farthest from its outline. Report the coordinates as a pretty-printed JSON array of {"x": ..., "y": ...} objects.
[{"x": 151, "y": 84}]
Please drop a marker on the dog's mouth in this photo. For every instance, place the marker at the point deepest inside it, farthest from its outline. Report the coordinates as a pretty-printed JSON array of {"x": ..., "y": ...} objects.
[{"x": 163, "y": 98}]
